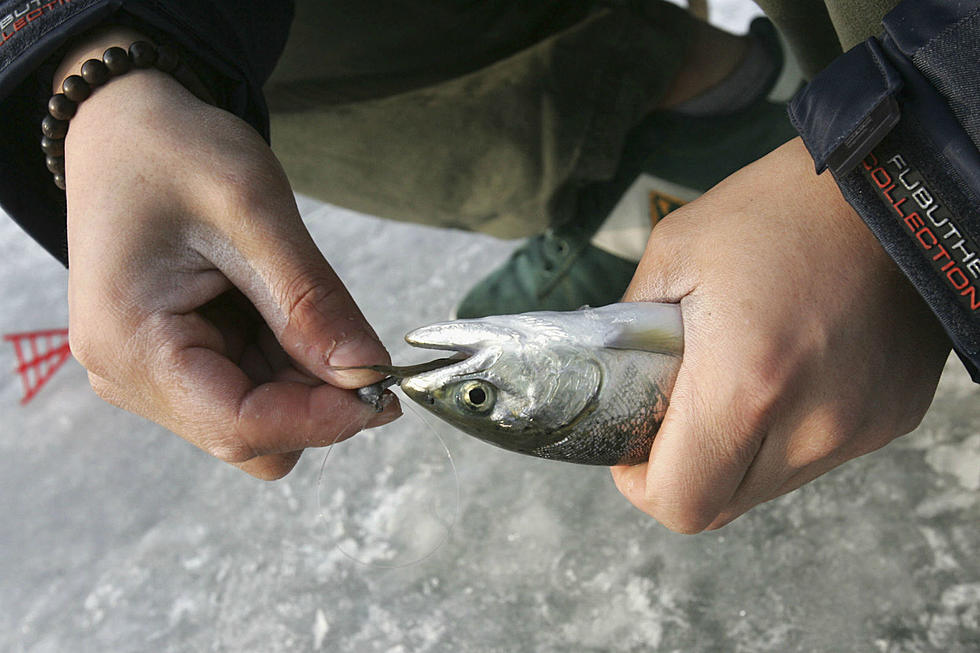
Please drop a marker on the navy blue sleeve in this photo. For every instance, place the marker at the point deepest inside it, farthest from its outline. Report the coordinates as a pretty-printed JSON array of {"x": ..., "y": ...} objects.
[
  {"x": 232, "y": 45},
  {"x": 897, "y": 121}
]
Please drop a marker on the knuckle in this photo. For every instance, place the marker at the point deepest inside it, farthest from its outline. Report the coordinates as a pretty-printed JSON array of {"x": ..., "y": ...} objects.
[
  {"x": 274, "y": 474},
  {"x": 83, "y": 348},
  {"x": 92, "y": 349},
  {"x": 757, "y": 405},
  {"x": 687, "y": 522},
  {"x": 911, "y": 418},
  {"x": 835, "y": 435},
  {"x": 304, "y": 297},
  {"x": 681, "y": 513},
  {"x": 908, "y": 423},
  {"x": 724, "y": 519},
  {"x": 737, "y": 450},
  {"x": 271, "y": 468},
  {"x": 108, "y": 344},
  {"x": 310, "y": 302},
  {"x": 102, "y": 388},
  {"x": 871, "y": 440},
  {"x": 814, "y": 447},
  {"x": 89, "y": 336},
  {"x": 241, "y": 192},
  {"x": 251, "y": 180},
  {"x": 231, "y": 449}
]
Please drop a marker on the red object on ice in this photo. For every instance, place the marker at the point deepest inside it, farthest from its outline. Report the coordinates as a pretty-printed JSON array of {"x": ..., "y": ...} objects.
[{"x": 39, "y": 355}]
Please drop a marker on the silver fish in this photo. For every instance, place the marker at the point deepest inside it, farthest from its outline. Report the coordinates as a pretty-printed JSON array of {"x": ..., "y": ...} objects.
[{"x": 588, "y": 386}]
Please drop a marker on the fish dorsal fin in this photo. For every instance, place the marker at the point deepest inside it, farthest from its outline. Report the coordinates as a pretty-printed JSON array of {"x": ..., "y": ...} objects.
[{"x": 655, "y": 328}]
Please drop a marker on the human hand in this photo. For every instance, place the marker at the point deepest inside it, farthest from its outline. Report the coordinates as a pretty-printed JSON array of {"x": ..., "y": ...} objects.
[
  {"x": 197, "y": 298},
  {"x": 804, "y": 344}
]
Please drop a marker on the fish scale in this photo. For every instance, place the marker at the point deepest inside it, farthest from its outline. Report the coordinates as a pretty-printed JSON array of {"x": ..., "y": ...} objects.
[{"x": 632, "y": 409}]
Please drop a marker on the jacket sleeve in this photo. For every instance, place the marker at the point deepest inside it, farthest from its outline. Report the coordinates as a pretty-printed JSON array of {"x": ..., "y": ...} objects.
[
  {"x": 232, "y": 45},
  {"x": 896, "y": 119}
]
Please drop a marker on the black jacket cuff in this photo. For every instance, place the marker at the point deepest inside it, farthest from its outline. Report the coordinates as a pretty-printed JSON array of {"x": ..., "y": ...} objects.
[
  {"x": 898, "y": 132},
  {"x": 232, "y": 45}
]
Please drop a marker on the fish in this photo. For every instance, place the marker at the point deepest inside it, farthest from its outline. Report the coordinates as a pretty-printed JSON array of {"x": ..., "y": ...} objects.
[{"x": 589, "y": 386}]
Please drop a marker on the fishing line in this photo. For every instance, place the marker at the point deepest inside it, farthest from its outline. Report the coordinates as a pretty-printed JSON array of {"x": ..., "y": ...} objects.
[{"x": 390, "y": 495}]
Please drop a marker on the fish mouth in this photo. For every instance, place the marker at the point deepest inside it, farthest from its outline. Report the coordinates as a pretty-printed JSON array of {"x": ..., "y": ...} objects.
[
  {"x": 402, "y": 372},
  {"x": 415, "y": 380},
  {"x": 474, "y": 345},
  {"x": 468, "y": 337}
]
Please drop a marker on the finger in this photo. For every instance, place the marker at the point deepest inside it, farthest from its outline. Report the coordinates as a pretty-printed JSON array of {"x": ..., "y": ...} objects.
[
  {"x": 856, "y": 446},
  {"x": 794, "y": 482},
  {"x": 272, "y": 467},
  {"x": 631, "y": 481},
  {"x": 180, "y": 381},
  {"x": 807, "y": 475},
  {"x": 771, "y": 467},
  {"x": 273, "y": 352},
  {"x": 256, "y": 366},
  {"x": 714, "y": 425},
  {"x": 119, "y": 396},
  {"x": 700, "y": 454},
  {"x": 268, "y": 468},
  {"x": 232, "y": 419},
  {"x": 235, "y": 319},
  {"x": 275, "y": 262},
  {"x": 802, "y": 444}
]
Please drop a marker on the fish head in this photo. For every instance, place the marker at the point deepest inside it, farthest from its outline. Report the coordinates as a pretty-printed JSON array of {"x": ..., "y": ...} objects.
[{"x": 510, "y": 386}]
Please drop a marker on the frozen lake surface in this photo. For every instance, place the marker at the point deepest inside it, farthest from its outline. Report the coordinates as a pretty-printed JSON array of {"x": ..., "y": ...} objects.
[{"x": 117, "y": 536}]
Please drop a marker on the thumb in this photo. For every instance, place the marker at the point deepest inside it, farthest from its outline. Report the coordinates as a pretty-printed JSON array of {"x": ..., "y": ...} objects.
[{"x": 301, "y": 298}]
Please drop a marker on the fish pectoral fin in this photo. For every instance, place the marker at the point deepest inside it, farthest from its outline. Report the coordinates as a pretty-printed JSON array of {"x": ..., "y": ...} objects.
[{"x": 641, "y": 326}]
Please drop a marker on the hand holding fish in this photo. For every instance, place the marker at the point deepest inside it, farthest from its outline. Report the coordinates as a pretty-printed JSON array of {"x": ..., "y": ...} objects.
[
  {"x": 197, "y": 297},
  {"x": 804, "y": 345}
]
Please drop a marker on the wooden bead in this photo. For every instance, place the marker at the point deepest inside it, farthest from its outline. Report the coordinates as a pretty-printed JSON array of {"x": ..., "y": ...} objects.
[
  {"x": 61, "y": 107},
  {"x": 75, "y": 88},
  {"x": 167, "y": 58},
  {"x": 56, "y": 164},
  {"x": 53, "y": 146},
  {"x": 143, "y": 54},
  {"x": 54, "y": 128},
  {"x": 117, "y": 61},
  {"x": 95, "y": 72}
]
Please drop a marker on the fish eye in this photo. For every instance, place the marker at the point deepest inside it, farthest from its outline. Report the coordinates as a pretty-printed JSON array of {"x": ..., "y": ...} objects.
[{"x": 476, "y": 396}]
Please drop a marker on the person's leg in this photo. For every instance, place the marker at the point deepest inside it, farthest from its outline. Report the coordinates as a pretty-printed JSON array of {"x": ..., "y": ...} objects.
[
  {"x": 709, "y": 124},
  {"x": 821, "y": 29},
  {"x": 502, "y": 148},
  {"x": 514, "y": 124}
]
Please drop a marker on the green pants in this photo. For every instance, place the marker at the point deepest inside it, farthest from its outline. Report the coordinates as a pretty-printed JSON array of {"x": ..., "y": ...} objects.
[{"x": 490, "y": 115}]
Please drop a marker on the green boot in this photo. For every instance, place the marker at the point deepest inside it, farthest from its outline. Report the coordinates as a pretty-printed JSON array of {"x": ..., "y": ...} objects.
[{"x": 669, "y": 159}]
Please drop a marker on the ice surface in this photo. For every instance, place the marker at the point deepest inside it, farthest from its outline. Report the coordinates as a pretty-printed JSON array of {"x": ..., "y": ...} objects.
[{"x": 118, "y": 537}]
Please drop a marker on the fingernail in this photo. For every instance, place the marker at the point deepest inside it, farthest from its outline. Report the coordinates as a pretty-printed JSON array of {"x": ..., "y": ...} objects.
[{"x": 360, "y": 349}]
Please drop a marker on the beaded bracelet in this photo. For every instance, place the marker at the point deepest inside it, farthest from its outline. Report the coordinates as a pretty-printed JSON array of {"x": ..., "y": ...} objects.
[{"x": 94, "y": 73}]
